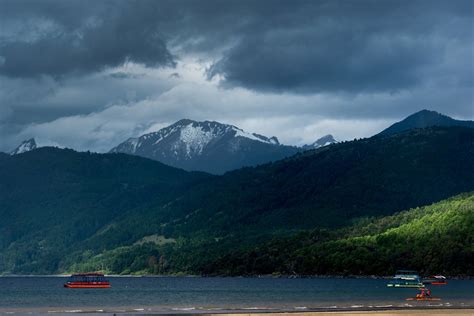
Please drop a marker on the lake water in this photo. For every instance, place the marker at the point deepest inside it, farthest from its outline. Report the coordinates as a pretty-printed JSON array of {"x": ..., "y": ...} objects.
[{"x": 174, "y": 295}]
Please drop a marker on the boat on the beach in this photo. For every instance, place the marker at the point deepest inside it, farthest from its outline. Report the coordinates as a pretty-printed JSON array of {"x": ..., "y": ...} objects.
[
  {"x": 87, "y": 281},
  {"x": 406, "y": 278}
]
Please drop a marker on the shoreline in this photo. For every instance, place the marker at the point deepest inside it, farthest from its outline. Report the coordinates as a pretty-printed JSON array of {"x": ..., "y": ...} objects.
[
  {"x": 394, "y": 312},
  {"x": 266, "y": 276},
  {"x": 384, "y": 311}
]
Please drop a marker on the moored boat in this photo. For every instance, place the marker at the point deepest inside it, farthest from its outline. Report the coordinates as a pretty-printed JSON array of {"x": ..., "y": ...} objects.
[
  {"x": 435, "y": 280},
  {"x": 406, "y": 278},
  {"x": 411, "y": 279},
  {"x": 87, "y": 281}
]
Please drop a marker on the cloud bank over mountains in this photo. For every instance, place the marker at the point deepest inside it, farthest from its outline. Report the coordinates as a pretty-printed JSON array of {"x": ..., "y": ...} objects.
[{"x": 89, "y": 74}]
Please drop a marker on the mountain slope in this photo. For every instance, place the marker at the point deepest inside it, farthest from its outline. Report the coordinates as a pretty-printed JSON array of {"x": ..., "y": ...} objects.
[
  {"x": 25, "y": 146},
  {"x": 58, "y": 207},
  {"x": 326, "y": 188},
  {"x": 334, "y": 184},
  {"x": 434, "y": 239},
  {"x": 51, "y": 198},
  {"x": 423, "y": 119},
  {"x": 206, "y": 146}
]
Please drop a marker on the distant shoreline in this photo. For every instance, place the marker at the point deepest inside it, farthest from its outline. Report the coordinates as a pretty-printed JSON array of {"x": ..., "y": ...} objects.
[
  {"x": 266, "y": 276},
  {"x": 384, "y": 311}
]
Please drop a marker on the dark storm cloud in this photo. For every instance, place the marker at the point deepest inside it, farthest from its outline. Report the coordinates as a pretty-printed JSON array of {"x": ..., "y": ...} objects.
[
  {"x": 296, "y": 46},
  {"x": 349, "y": 46},
  {"x": 80, "y": 37},
  {"x": 312, "y": 63},
  {"x": 73, "y": 63}
]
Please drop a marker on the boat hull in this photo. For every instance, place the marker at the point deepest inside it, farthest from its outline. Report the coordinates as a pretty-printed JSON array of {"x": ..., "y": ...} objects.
[
  {"x": 434, "y": 282},
  {"x": 87, "y": 286}
]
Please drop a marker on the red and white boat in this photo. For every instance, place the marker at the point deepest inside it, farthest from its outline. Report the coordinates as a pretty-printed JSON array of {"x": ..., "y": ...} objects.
[
  {"x": 87, "y": 281},
  {"x": 435, "y": 280}
]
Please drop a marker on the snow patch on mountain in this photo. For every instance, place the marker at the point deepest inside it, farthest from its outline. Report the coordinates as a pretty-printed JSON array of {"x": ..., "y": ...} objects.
[
  {"x": 162, "y": 134},
  {"x": 25, "y": 146},
  {"x": 274, "y": 140},
  {"x": 133, "y": 143},
  {"x": 195, "y": 138},
  {"x": 260, "y": 138}
]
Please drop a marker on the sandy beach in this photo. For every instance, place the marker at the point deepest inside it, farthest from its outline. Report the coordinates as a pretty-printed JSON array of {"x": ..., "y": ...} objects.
[{"x": 425, "y": 312}]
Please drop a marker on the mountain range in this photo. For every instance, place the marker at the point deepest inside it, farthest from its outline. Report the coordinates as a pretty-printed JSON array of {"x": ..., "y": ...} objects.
[
  {"x": 64, "y": 211},
  {"x": 211, "y": 147},
  {"x": 206, "y": 146},
  {"x": 217, "y": 148}
]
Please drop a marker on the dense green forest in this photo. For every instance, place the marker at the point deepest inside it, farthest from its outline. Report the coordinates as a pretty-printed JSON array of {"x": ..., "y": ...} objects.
[
  {"x": 62, "y": 210},
  {"x": 51, "y": 199},
  {"x": 432, "y": 239}
]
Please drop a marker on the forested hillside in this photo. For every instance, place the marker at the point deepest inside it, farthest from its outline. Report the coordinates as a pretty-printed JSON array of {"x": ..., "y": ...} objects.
[
  {"x": 432, "y": 239},
  {"x": 331, "y": 186},
  {"x": 50, "y": 199},
  {"x": 61, "y": 209}
]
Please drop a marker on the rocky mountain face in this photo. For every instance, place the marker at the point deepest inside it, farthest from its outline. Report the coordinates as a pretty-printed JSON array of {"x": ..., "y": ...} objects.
[
  {"x": 206, "y": 146},
  {"x": 423, "y": 119},
  {"x": 25, "y": 146}
]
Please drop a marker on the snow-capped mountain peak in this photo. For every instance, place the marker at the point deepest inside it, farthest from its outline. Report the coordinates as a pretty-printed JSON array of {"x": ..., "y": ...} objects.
[
  {"x": 25, "y": 146},
  {"x": 194, "y": 136},
  {"x": 185, "y": 142}
]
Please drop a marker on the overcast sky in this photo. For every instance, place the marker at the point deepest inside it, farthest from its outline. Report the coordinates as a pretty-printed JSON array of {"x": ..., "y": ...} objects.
[{"x": 90, "y": 74}]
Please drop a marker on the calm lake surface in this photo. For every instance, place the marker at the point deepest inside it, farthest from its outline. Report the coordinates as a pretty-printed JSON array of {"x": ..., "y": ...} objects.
[{"x": 24, "y": 295}]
